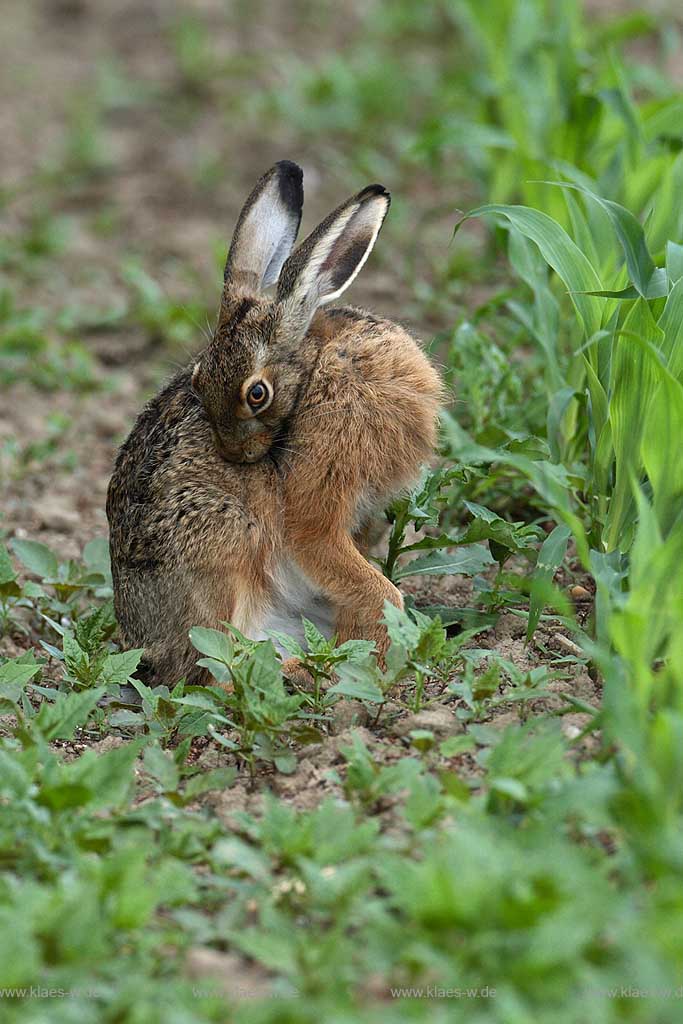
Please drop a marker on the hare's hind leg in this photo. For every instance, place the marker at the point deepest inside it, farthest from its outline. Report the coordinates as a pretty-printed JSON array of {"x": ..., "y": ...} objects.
[
  {"x": 357, "y": 588},
  {"x": 348, "y": 624}
]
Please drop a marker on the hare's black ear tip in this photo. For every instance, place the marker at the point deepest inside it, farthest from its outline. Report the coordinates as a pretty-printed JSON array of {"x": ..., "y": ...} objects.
[
  {"x": 291, "y": 182},
  {"x": 372, "y": 191},
  {"x": 288, "y": 167}
]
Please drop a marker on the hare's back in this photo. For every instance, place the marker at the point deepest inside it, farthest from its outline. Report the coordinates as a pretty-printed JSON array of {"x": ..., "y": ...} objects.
[
  {"x": 366, "y": 423},
  {"x": 375, "y": 389},
  {"x": 374, "y": 359}
]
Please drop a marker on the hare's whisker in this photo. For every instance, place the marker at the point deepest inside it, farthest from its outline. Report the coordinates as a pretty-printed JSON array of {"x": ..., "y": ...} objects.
[
  {"x": 194, "y": 320},
  {"x": 292, "y": 451}
]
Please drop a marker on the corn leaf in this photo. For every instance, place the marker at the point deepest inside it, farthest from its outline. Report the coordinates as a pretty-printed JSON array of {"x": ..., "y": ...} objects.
[
  {"x": 649, "y": 280},
  {"x": 560, "y": 252},
  {"x": 632, "y": 387},
  {"x": 661, "y": 446},
  {"x": 671, "y": 324}
]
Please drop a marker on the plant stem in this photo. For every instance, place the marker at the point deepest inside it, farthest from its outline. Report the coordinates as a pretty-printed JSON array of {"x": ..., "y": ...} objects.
[
  {"x": 396, "y": 538},
  {"x": 419, "y": 687}
]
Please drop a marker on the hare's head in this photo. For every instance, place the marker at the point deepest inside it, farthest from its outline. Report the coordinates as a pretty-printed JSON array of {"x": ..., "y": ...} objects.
[{"x": 251, "y": 374}]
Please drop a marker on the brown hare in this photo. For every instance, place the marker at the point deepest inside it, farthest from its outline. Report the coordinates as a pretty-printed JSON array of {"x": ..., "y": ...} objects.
[{"x": 247, "y": 487}]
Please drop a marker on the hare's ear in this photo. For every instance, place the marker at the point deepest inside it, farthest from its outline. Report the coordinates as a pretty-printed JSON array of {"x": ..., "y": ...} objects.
[
  {"x": 266, "y": 229},
  {"x": 327, "y": 262}
]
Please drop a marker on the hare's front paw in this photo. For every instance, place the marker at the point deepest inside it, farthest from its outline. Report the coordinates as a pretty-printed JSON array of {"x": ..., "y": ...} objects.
[{"x": 294, "y": 671}]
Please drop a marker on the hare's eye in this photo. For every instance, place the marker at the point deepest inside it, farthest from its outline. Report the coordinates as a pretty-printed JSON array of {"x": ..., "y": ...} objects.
[{"x": 258, "y": 395}]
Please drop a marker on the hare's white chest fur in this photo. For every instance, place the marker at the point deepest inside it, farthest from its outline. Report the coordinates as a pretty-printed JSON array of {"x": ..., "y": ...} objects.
[{"x": 294, "y": 596}]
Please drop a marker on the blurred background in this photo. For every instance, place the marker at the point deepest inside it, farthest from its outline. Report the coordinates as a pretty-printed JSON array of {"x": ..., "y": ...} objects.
[{"x": 132, "y": 131}]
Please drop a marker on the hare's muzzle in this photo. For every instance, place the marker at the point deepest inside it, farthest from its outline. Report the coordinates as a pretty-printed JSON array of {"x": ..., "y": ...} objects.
[{"x": 251, "y": 449}]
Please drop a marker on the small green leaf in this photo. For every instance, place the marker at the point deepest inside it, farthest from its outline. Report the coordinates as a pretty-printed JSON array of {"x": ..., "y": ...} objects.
[
  {"x": 314, "y": 638},
  {"x": 455, "y": 745},
  {"x": 196, "y": 700},
  {"x": 353, "y": 650},
  {"x": 118, "y": 668},
  {"x": 233, "y": 852},
  {"x": 513, "y": 788},
  {"x": 550, "y": 558},
  {"x": 36, "y": 557},
  {"x": 110, "y": 775},
  {"x": 287, "y": 643},
  {"x": 96, "y": 556},
  {"x": 15, "y": 781},
  {"x": 68, "y": 713},
  {"x": 356, "y": 682},
  {"x": 214, "y": 643},
  {"x": 465, "y": 561},
  {"x": 7, "y": 573},
  {"x": 285, "y": 763},
  {"x": 204, "y": 782},
  {"x": 162, "y": 767},
  {"x": 504, "y": 538},
  {"x": 64, "y": 794},
  {"x": 13, "y": 678},
  {"x": 220, "y": 672},
  {"x": 421, "y": 739}
]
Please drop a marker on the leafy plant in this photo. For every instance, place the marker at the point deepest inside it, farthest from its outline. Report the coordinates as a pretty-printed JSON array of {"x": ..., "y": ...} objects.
[
  {"x": 320, "y": 659},
  {"x": 628, "y": 369},
  {"x": 67, "y": 582},
  {"x": 259, "y": 708}
]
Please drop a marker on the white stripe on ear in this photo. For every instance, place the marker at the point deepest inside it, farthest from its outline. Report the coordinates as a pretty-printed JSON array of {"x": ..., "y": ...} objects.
[
  {"x": 329, "y": 260},
  {"x": 359, "y": 235},
  {"x": 266, "y": 229}
]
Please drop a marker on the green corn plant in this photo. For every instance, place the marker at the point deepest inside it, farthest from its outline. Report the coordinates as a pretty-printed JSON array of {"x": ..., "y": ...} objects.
[
  {"x": 554, "y": 92},
  {"x": 615, "y": 369},
  {"x": 640, "y": 654}
]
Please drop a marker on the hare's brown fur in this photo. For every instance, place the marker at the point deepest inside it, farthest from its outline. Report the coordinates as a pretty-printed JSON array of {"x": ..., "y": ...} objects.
[{"x": 221, "y": 517}]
